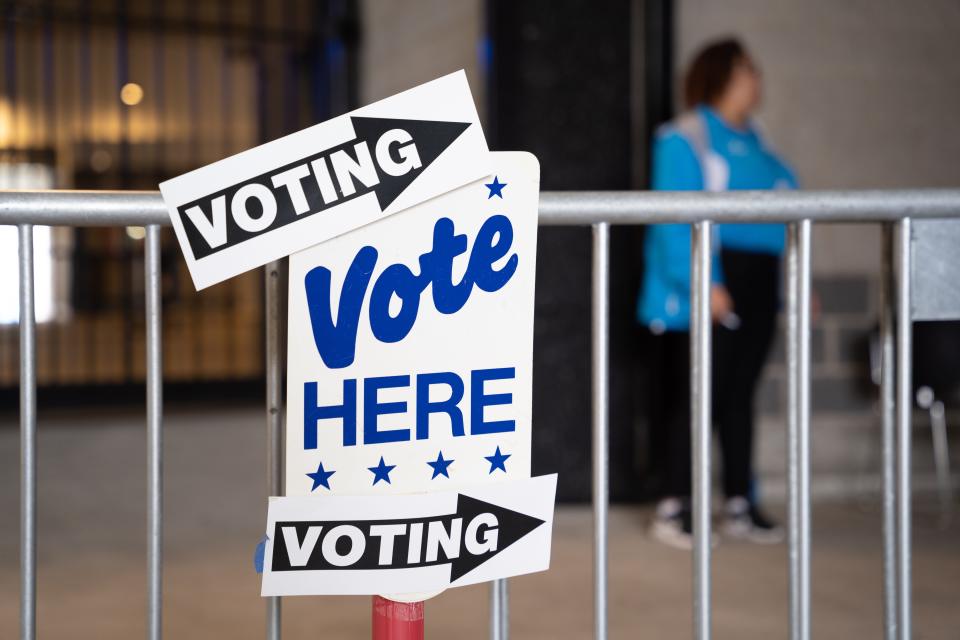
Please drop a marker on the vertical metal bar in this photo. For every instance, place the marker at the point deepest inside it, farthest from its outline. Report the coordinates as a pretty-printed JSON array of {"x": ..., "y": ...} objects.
[
  {"x": 86, "y": 78},
  {"x": 263, "y": 83},
  {"x": 10, "y": 67},
  {"x": 600, "y": 312},
  {"x": 798, "y": 425},
  {"x": 290, "y": 84},
  {"x": 227, "y": 97},
  {"x": 49, "y": 76},
  {"x": 152, "y": 287},
  {"x": 123, "y": 77},
  {"x": 499, "y": 610},
  {"x": 159, "y": 84},
  {"x": 504, "y": 609},
  {"x": 494, "y": 612},
  {"x": 700, "y": 355},
  {"x": 52, "y": 136},
  {"x": 126, "y": 253},
  {"x": 888, "y": 420},
  {"x": 28, "y": 440},
  {"x": 274, "y": 344},
  {"x": 904, "y": 410},
  {"x": 199, "y": 342}
]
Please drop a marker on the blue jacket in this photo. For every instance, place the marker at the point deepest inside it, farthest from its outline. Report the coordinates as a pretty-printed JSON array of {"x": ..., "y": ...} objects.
[{"x": 735, "y": 160}]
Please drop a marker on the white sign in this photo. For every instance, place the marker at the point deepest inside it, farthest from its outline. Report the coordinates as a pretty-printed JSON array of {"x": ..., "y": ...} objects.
[
  {"x": 411, "y": 345},
  {"x": 321, "y": 545},
  {"x": 268, "y": 202}
]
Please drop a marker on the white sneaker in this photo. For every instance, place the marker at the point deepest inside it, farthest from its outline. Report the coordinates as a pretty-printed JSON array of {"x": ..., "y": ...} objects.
[
  {"x": 673, "y": 524},
  {"x": 743, "y": 520}
]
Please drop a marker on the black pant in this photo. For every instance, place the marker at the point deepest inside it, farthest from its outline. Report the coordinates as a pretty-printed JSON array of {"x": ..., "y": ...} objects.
[
  {"x": 738, "y": 358},
  {"x": 669, "y": 404}
]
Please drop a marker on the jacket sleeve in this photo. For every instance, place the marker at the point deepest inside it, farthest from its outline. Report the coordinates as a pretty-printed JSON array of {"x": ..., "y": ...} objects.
[{"x": 676, "y": 168}]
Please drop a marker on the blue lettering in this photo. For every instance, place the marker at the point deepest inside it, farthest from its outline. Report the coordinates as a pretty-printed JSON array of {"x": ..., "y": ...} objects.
[
  {"x": 346, "y": 412},
  {"x": 396, "y": 279},
  {"x": 479, "y": 400},
  {"x": 337, "y": 342},
  {"x": 448, "y": 406},
  {"x": 372, "y": 408},
  {"x": 493, "y": 242},
  {"x": 447, "y": 297}
]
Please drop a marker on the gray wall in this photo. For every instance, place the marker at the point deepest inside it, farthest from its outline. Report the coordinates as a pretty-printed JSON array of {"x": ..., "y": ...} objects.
[
  {"x": 858, "y": 94},
  {"x": 410, "y": 42}
]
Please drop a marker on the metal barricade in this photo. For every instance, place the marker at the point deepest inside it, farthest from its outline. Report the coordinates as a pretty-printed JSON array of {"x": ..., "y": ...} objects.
[{"x": 800, "y": 210}]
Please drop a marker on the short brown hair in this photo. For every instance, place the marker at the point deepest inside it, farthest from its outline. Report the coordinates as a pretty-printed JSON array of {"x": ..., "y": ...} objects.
[{"x": 710, "y": 72}]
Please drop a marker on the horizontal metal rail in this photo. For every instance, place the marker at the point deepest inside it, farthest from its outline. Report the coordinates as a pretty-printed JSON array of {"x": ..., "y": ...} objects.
[{"x": 142, "y": 208}]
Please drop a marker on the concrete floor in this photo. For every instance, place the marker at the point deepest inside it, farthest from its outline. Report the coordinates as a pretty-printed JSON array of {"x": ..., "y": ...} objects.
[{"x": 92, "y": 568}]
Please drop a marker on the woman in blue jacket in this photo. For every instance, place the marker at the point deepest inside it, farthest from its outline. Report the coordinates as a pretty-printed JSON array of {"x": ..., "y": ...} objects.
[{"x": 713, "y": 146}]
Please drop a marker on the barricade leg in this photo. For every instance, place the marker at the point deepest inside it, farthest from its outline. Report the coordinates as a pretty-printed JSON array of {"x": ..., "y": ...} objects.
[
  {"x": 888, "y": 429},
  {"x": 499, "y": 610},
  {"x": 904, "y": 410},
  {"x": 798, "y": 421},
  {"x": 274, "y": 303},
  {"x": 154, "y": 434},
  {"x": 700, "y": 424},
  {"x": 601, "y": 311},
  {"x": 28, "y": 440}
]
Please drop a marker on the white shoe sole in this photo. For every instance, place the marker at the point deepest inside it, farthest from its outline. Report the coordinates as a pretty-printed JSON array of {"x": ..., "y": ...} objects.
[
  {"x": 750, "y": 534},
  {"x": 668, "y": 535}
]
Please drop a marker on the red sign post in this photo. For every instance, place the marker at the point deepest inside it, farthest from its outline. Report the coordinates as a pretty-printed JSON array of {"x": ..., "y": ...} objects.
[{"x": 397, "y": 620}]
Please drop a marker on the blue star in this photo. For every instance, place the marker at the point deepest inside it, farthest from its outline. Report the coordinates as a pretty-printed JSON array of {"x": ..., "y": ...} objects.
[
  {"x": 497, "y": 460},
  {"x": 320, "y": 477},
  {"x": 440, "y": 466},
  {"x": 496, "y": 188},
  {"x": 382, "y": 471}
]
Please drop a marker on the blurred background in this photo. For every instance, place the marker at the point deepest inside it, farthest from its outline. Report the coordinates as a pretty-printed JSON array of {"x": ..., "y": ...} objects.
[{"x": 122, "y": 94}]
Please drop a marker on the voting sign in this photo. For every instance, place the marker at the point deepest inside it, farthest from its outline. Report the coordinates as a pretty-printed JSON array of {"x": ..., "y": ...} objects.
[
  {"x": 411, "y": 345},
  {"x": 268, "y": 202},
  {"x": 318, "y": 545}
]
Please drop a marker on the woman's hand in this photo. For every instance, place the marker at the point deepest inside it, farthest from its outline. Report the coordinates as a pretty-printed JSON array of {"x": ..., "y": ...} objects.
[{"x": 721, "y": 304}]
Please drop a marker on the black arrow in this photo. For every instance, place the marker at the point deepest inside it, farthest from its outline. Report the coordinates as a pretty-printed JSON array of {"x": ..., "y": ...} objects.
[
  {"x": 511, "y": 526},
  {"x": 431, "y": 137}
]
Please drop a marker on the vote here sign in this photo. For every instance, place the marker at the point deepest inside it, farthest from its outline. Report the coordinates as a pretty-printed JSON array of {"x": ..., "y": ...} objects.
[
  {"x": 411, "y": 345},
  {"x": 268, "y": 202}
]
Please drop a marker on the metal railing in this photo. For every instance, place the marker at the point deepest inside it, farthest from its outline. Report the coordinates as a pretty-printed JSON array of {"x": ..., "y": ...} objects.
[{"x": 598, "y": 209}]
